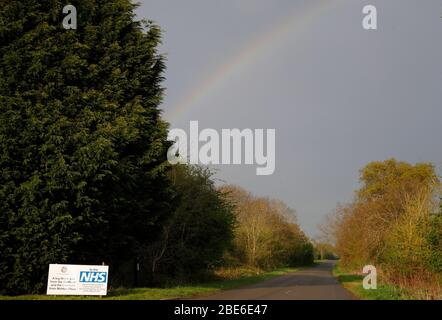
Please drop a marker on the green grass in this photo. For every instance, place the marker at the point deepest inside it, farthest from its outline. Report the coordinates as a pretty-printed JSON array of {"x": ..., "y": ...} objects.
[
  {"x": 353, "y": 283},
  {"x": 185, "y": 291}
]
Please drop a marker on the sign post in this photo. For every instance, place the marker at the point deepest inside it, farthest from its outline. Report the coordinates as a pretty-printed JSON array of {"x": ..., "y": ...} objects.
[{"x": 71, "y": 279}]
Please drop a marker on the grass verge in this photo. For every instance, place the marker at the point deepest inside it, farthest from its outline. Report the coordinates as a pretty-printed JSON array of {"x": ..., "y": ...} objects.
[
  {"x": 229, "y": 279},
  {"x": 353, "y": 283}
]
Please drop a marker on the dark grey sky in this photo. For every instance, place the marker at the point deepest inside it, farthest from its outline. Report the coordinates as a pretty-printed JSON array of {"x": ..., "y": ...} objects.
[{"x": 337, "y": 95}]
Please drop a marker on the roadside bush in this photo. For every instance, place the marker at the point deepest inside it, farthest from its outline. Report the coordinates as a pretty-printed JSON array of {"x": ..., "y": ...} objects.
[
  {"x": 434, "y": 239},
  {"x": 407, "y": 250},
  {"x": 198, "y": 233}
]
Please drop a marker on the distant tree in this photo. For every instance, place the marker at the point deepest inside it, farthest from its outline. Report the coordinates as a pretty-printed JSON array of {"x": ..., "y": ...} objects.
[
  {"x": 324, "y": 250},
  {"x": 327, "y": 229},
  {"x": 82, "y": 145},
  {"x": 267, "y": 234}
]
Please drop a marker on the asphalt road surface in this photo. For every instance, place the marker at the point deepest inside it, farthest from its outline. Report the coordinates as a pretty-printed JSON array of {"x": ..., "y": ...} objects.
[{"x": 315, "y": 283}]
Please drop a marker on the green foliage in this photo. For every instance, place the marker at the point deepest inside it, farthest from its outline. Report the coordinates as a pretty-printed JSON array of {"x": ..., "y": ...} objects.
[
  {"x": 407, "y": 250},
  {"x": 197, "y": 234},
  {"x": 324, "y": 251},
  {"x": 302, "y": 255},
  {"x": 82, "y": 144},
  {"x": 435, "y": 241}
]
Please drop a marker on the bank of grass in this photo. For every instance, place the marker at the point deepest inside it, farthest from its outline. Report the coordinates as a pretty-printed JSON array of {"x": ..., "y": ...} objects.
[
  {"x": 225, "y": 279},
  {"x": 353, "y": 283}
]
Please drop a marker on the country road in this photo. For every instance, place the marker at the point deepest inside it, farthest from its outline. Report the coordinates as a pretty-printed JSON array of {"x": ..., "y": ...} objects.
[{"x": 314, "y": 283}]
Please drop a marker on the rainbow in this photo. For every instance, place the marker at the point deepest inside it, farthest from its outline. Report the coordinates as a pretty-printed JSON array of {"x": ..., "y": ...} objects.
[{"x": 294, "y": 26}]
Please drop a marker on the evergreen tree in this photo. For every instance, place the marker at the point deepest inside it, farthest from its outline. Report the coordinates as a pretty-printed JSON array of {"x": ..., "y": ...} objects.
[{"x": 82, "y": 145}]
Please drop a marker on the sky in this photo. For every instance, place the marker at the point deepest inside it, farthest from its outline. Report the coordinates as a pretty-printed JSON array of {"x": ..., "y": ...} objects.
[{"x": 337, "y": 95}]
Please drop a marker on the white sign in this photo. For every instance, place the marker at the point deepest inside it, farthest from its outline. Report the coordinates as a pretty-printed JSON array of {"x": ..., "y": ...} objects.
[{"x": 74, "y": 279}]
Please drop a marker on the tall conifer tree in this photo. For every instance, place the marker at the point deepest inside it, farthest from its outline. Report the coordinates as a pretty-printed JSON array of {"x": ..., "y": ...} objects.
[{"x": 82, "y": 144}]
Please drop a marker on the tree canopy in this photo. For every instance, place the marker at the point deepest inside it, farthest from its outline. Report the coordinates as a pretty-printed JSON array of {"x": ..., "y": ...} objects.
[{"x": 82, "y": 145}]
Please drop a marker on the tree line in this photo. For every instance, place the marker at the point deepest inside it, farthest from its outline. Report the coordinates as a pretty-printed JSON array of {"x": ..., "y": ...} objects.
[
  {"x": 84, "y": 177},
  {"x": 395, "y": 224}
]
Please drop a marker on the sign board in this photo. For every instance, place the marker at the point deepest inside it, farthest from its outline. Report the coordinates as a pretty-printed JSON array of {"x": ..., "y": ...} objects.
[{"x": 73, "y": 279}]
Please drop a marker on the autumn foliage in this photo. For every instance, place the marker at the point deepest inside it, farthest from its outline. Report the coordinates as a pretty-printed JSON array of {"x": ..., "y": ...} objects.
[
  {"x": 394, "y": 223},
  {"x": 266, "y": 233}
]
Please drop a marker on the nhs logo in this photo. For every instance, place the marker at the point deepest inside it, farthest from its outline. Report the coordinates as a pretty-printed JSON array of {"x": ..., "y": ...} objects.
[{"x": 93, "y": 276}]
